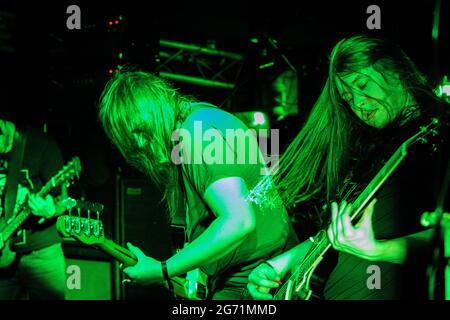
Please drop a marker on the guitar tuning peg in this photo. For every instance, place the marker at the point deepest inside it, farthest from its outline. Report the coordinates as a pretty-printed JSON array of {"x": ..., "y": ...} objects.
[
  {"x": 68, "y": 223},
  {"x": 77, "y": 225},
  {"x": 96, "y": 228},
  {"x": 87, "y": 230}
]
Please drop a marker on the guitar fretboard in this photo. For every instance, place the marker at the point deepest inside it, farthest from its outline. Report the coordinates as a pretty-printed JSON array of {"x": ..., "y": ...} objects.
[
  {"x": 25, "y": 211},
  {"x": 319, "y": 248}
]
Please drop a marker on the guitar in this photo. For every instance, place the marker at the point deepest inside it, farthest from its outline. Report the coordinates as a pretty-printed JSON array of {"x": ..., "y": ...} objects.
[
  {"x": 91, "y": 232},
  {"x": 64, "y": 176},
  {"x": 297, "y": 285}
]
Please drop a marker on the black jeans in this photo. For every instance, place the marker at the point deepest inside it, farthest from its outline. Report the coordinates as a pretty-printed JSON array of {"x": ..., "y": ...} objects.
[{"x": 232, "y": 293}]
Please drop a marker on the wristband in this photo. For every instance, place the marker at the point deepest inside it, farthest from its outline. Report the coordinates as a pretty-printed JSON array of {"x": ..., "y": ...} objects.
[
  {"x": 166, "y": 277},
  {"x": 270, "y": 265}
]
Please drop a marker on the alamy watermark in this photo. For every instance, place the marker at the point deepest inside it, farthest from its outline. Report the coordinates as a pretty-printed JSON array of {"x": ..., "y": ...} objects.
[
  {"x": 374, "y": 20},
  {"x": 74, "y": 19},
  {"x": 374, "y": 280},
  {"x": 73, "y": 280},
  {"x": 237, "y": 146}
]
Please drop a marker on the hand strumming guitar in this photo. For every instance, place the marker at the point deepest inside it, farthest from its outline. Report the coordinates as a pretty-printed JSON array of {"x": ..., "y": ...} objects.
[{"x": 262, "y": 279}]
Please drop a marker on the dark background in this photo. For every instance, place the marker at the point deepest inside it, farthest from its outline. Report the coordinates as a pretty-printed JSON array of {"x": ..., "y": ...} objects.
[{"x": 52, "y": 77}]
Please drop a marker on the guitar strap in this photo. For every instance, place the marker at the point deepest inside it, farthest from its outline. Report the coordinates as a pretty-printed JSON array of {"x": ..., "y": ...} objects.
[{"x": 14, "y": 167}]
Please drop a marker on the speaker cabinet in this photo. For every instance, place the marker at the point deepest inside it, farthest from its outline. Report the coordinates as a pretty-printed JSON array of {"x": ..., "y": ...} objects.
[
  {"x": 88, "y": 279},
  {"x": 89, "y": 272},
  {"x": 143, "y": 221}
]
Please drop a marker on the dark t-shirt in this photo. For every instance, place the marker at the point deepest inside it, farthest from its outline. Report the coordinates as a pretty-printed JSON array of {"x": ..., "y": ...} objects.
[
  {"x": 411, "y": 190},
  {"x": 41, "y": 161},
  {"x": 273, "y": 233}
]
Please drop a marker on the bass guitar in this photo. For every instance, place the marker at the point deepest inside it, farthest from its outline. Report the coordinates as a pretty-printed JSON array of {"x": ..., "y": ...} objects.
[{"x": 90, "y": 231}]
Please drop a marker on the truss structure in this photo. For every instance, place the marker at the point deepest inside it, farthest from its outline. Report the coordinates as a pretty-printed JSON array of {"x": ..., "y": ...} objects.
[{"x": 204, "y": 66}]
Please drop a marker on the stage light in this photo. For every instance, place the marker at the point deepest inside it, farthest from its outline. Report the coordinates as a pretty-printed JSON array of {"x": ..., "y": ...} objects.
[
  {"x": 116, "y": 22},
  {"x": 444, "y": 88},
  {"x": 110, "y": 23},
  {"x": 259, "y": 118},
  {"x": 120, "y": 55}
]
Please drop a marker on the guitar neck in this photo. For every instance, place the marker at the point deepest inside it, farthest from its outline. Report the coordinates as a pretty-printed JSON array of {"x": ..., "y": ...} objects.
[
  {"x": 118, "y": 252},
  {"x": 367, "y": 195},
  {"x": 17, "y": 221},
  {"x": 127, "y": 258},
  {"x": 321, "y": 242},
  {"x": 314, "y": 256},
  {"x": 47, "y": 187},
  {"x": 15, "y": 224}
]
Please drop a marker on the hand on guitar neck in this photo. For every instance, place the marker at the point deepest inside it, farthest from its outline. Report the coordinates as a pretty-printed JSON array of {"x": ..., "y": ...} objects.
[
  {"x": 146, "y": 270},
  {"x": 359, "y": 239}
]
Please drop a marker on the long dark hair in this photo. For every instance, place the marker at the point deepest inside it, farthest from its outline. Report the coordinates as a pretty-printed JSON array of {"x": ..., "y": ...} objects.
[
  {"x": 315, "y": 160},
  {"x": 138, "y": 103}
]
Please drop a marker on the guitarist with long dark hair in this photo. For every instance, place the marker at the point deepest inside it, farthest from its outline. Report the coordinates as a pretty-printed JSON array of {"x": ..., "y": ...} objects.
[
  {"x": 32, "y": 261},
  {"x": 374, "y": 99}
]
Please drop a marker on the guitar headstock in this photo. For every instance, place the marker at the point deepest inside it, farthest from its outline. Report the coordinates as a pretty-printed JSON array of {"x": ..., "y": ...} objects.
[
  {"x": 431, "y": 129},
  {"x": 87, "y": 230},
  {"x": 68, "y": 173}
]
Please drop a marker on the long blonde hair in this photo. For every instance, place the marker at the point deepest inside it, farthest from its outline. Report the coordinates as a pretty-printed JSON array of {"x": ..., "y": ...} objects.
[{"x": 138, "y": 103}]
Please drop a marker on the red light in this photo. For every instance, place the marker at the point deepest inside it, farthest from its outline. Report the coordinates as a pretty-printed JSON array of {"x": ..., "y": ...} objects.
[{"x": 116, "y": 22}]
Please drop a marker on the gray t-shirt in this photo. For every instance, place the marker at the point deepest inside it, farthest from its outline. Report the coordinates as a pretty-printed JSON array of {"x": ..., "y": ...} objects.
[{"x": 273, "y": 233}]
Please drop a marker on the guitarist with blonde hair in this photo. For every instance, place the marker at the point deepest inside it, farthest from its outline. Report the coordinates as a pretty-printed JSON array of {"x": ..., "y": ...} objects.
[{"x": 228, "y": 234}]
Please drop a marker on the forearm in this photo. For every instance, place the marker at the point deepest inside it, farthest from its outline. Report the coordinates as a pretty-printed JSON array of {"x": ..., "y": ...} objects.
[
  {"x": 399, "y": 249},
  {"x": 287, "y": 260},
  {"x": 219, "y": 239}
]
